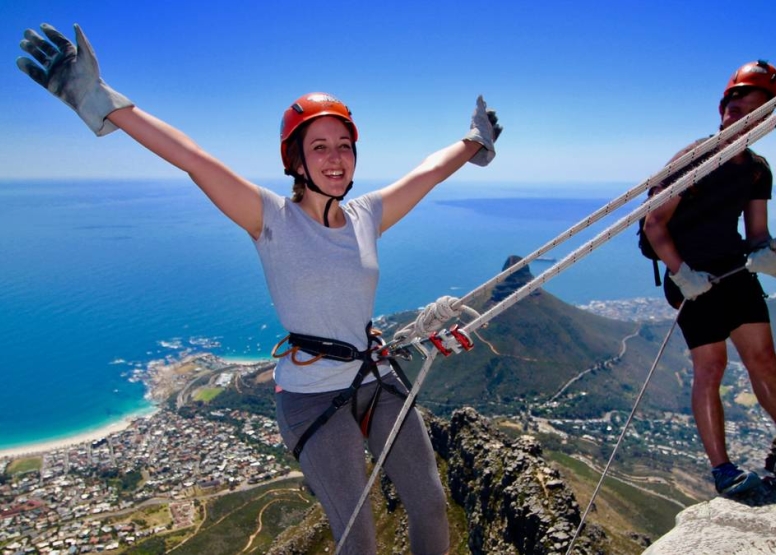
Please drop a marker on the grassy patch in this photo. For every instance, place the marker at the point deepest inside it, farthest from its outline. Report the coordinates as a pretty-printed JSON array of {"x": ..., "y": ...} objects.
[
  {"x": 248, "y": 520},
  {"x": 27, "y": 464},
  {"x": 207, "y": 394},
  {"x": 746, "y": 399},
  {"x": 619, "y": 506},
  {"x": 149, "y": 517}
]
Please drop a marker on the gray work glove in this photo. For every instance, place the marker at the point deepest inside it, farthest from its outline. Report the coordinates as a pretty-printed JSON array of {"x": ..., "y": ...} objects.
[
  {"x": 484, "y": 130},
  {"x": 71, "y": 73},
  {"x": 763, "y": 260},
  {"x": 692, "y": 284}
]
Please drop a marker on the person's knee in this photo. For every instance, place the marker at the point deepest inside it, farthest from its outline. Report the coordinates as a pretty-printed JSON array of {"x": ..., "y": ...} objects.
[
  {"x": 761, "y": 363},
  {"x": 434, "y": 509},
  {"x": 708, "y": 374}
]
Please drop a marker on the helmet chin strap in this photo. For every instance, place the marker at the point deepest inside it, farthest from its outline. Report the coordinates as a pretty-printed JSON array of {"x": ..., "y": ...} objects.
[{"x": 310, "y": 184}]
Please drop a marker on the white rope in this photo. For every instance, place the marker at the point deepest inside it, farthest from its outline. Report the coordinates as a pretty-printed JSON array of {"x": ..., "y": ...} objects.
[
  {"x": 692, "y": 177},
  {"x": 625, "y": 428},
  {"x": 405, "y": 409},
  {"x": 710, "y": 145}
]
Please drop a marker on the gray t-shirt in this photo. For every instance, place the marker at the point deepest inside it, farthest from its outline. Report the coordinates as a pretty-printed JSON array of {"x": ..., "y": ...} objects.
[{"x": 322, "y": 282}]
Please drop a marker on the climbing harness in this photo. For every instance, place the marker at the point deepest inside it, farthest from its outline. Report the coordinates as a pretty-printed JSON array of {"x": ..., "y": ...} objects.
[
  {"x": 408, "y": 404},
  {"x": 724, "y": 145},
  {"x": 633, "y": 411},
  {"x": 318, "y": 348}
]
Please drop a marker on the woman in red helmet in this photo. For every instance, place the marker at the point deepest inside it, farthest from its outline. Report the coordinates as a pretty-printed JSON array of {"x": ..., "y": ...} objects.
[
  {"x": 320, "y": 261},
  {"x": 697, "y": 237}
]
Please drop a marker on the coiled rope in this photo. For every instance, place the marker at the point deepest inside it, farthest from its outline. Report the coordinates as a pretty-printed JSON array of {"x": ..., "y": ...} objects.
[{"x": 691, "y": 177}]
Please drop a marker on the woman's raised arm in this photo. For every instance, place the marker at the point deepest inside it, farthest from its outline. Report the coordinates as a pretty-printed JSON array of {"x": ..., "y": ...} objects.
[
  {"x": 71, "y": 73},
  {"x": 236, "y": 197},
  {"x": 476, "y": 147}
]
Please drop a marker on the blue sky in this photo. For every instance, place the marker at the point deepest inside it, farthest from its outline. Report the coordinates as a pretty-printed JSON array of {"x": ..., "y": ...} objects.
[{"x": 587, "y": 91}]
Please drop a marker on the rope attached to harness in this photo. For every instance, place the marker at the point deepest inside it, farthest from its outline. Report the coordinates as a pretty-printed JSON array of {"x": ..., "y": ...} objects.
[
  {"x": 408, "y": 404},
  {"x": 736, "y": 147},
  {"x": 742, "y": 133}
]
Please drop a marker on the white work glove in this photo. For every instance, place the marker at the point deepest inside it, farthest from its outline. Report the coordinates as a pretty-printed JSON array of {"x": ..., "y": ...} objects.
[
  {"x": 484, "y": 130},
  {"x": 71, "y": 73},
  {"x": 692, "y": 284},
  {"x": 763, "y": 259}
]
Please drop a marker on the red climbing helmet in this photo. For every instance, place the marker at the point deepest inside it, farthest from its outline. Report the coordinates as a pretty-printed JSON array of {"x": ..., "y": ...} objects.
[
  {"x": 759, "y": 74},
  {"x": 309, "y": 107}
]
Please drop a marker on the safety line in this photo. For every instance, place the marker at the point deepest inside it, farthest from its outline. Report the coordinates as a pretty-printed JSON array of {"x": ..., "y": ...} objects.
[
  {"x": 692, "y": 177},
  {"x": 633, "y": 410},
  {"x": 625, "y": 427},
  {"x": 709, "y": 145},
  {"x": 405, "y": 409}
]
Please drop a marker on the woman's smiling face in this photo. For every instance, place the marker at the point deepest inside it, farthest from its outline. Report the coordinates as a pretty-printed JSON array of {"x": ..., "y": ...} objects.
[{"x": 328, "y": 151}]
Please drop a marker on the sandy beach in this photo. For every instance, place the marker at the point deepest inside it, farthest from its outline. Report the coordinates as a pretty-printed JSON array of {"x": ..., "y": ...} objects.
[
  {"x": 162, "y": 378},
  {"x": 39, "y": 448}
]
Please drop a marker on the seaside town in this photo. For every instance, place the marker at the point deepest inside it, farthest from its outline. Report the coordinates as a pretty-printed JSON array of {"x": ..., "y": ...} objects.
[
  {"x": 72, "y": 499},
  {"x": 85, "y": 497}
]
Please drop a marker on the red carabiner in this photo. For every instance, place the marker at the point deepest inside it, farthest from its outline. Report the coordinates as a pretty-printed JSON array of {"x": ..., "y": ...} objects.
[
  {"x": 439, "y": 344},
  {"x": 462, "y": 337}
]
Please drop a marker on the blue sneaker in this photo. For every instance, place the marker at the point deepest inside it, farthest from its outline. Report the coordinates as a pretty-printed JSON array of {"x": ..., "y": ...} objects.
[{"x": 731, "y": 480}]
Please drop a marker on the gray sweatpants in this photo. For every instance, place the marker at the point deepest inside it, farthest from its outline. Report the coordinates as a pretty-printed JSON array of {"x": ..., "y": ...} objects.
[{"x": 334, "y": 465}]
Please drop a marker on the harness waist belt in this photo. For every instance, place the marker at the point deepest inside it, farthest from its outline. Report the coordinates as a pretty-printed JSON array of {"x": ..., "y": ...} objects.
[{"x": 329, "y": 348}]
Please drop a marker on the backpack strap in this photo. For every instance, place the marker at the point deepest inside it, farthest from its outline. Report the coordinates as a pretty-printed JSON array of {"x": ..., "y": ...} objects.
[{"x": 656, "y": 273}]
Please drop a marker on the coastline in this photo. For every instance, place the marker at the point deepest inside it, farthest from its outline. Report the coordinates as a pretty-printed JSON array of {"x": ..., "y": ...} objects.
[
  {"x": 161, "y": 377},
  {"x": 40, "y": 447}
]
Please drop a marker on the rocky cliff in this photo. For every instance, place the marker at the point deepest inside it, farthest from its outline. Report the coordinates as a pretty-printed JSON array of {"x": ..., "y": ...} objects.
[
  {"x": 724, "y": 527},
  {"x": 515, "y": 502}
]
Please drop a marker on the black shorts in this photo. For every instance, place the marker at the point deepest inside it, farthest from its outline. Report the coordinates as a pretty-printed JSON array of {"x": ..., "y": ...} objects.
[{"x": 738, "y": 299}]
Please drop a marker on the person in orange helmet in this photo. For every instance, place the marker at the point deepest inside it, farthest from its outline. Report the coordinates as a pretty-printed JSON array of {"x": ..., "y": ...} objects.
[
  {"x": 319, "y": 256},
  {"x": 696, "y": 235}
]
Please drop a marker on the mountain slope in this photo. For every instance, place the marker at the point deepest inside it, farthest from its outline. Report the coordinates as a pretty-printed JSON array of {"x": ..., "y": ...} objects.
[{"x": 526, "y": 356}]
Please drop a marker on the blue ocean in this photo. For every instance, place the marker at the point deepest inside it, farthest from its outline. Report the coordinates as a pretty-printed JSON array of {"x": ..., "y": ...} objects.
[{"x": 101, "y": 277}]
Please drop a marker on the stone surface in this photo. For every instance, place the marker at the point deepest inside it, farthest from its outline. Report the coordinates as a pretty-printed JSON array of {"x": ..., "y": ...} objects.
[{"x": 724, "y": 527}]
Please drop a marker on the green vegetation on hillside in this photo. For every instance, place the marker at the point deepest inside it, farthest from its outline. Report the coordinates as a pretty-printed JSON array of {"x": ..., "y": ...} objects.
[
  {"x": 207, "y": 394},
  {"x": 24, "y": 465}
]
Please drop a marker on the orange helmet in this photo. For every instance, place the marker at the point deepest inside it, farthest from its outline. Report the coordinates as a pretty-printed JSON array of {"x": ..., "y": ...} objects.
[
  {"x": 307, "y": 108},
  {"x": 759, "y": 74}
]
